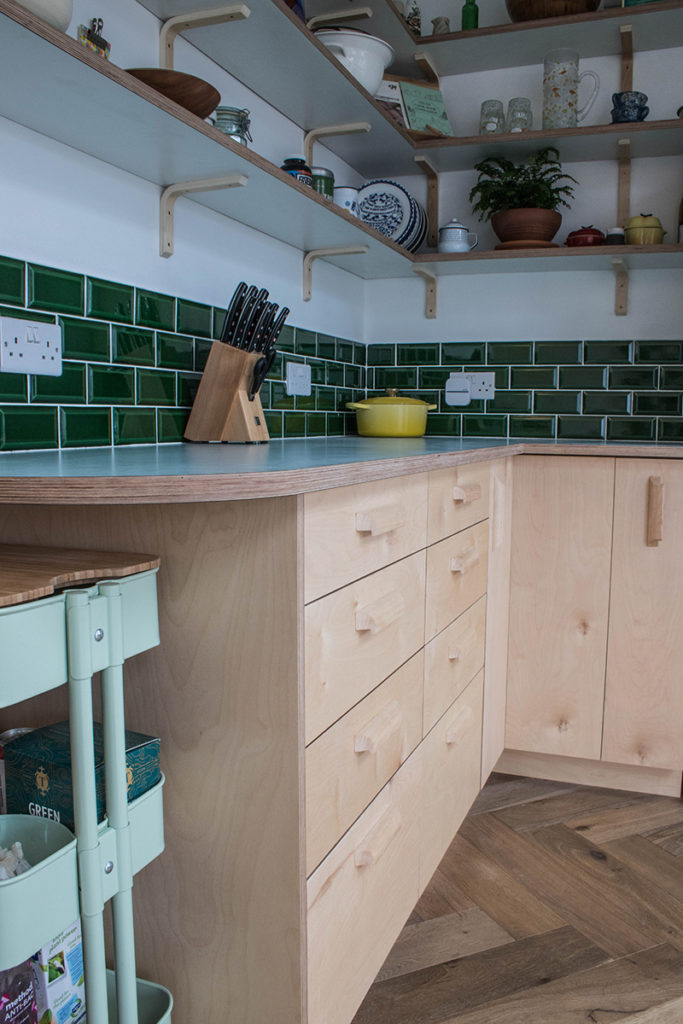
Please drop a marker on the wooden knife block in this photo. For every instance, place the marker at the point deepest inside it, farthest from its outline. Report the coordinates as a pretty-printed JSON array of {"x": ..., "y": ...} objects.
[{"x": 222, "y": 410}]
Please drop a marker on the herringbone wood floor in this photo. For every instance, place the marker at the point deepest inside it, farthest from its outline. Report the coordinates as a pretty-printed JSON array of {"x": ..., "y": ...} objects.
[{"x": 555, "y": 904}]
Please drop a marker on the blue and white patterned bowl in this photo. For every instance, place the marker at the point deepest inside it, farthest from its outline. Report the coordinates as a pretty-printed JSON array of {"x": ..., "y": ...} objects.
[{"x": 393, "y": 211}]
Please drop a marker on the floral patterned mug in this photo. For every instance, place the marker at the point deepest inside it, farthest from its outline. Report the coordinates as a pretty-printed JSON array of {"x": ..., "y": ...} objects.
[{"x": 561, "y": 80}]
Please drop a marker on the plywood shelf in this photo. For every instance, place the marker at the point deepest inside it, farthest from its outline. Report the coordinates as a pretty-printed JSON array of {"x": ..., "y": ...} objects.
[{"x": 599, "y": 257}]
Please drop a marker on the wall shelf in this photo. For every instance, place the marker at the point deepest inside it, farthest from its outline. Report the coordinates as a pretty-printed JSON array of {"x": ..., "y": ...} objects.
[{"x": 599, "y": 257}]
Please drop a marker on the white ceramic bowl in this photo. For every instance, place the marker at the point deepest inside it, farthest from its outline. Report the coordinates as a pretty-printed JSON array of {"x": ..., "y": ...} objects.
[
  {"x": 56, "y": 12},
  {"x": 365, "y": 57}
]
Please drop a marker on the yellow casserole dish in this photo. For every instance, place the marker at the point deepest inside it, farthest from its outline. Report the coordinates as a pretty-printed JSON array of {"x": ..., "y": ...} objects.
[{"x": 391, "y": 415}]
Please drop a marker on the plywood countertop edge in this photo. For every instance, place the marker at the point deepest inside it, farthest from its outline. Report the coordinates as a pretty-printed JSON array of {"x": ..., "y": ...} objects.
[{"x": 206, "y": 487}]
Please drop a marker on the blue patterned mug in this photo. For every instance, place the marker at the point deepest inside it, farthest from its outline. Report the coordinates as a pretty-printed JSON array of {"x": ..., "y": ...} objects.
[{"x": 629, "y": 106}]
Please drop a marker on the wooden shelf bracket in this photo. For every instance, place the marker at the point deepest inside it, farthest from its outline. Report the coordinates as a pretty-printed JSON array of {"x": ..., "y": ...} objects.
[
  {"x": 339, "y": 16},
  {"x": 626, "y": 32},
  {"x": 425, "y": 164},
  {"x": 195, "y": 19},
  {"x": 624, "y": 184},
  {"x": 621, "y": 288},
  {"x": 430, "y": 293},
  {"x": 172, "y": 192},
  {"x": 314, "y": 254},
  {"x": 335, "y": 129},
  {"x": 426, "y": 64}
]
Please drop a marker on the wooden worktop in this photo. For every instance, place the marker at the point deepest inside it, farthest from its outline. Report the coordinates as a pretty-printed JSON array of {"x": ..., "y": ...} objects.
[{"x": 183, "y": 473}]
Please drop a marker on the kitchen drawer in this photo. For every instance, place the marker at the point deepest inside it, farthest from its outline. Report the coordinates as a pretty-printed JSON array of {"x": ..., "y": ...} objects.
[
  {"x": 458, "y": 498},
  {"x": 456, "y": 576},
  {"x": 358, "y": 636},
  {"x": 352, "y": 531},
  {"x": 451, "y": 779},
  {"x": 360, "y": 896},
  {"x": 452, "y": 659},
  {"x": 348, "y": 765}
]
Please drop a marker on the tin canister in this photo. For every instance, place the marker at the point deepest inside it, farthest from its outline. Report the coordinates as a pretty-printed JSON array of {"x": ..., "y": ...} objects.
[
  {"x": 323, "y": 181},
  {"x": 6, "y": 737}
]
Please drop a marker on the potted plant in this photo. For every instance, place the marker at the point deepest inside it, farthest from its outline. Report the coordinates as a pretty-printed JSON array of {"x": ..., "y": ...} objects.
[{"x": 522, "y": 199}]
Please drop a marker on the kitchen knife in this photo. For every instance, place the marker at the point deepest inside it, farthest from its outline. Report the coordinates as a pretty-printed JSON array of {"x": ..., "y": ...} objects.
[
  {"x": 259, "y": 331},
  {"x": 276, "y": 330},
  {"x": 250, "y": 326},
  {"x": 233, "y": 312},
  {"x": 244, "y": 316},
  {"x": 261, "y": 368}
]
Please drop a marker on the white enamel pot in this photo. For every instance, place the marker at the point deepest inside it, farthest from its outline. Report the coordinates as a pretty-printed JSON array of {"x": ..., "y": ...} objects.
[
  {"x": 55, "y": 12},
  {"x": 365, "y": 57}
]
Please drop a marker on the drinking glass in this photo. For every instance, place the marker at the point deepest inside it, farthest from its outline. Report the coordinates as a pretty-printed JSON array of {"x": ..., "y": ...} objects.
[
  {"x": 492, "y": 118},
  {"x": 519, "y": 117}
]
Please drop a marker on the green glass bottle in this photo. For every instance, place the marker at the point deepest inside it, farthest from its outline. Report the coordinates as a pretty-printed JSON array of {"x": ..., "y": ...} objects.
[{"x": 470, "y": 15}]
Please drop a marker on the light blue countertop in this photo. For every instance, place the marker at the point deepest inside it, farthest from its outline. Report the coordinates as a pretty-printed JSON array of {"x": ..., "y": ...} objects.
[{"x": 211, "y": 472}]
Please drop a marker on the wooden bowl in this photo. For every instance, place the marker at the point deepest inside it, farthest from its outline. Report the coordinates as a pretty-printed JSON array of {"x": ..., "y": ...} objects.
[
  {"x": 530, "y": 10},
  {"x": 194, "y": 94}
]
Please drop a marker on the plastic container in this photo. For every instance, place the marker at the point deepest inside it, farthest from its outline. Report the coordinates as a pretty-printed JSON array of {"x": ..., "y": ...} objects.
[{"x": 298, "y": 168}]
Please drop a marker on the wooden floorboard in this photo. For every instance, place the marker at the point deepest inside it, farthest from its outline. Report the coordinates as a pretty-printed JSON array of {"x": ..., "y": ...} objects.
[{"x": 555, "y": 904}]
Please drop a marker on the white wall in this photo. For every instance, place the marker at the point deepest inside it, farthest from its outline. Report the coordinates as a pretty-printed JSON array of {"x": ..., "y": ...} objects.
[{"x": 61, "y": 208}]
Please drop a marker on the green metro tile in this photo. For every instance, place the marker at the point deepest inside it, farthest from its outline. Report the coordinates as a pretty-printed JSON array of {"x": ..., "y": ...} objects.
[
  {"x": 327, "y": 347},
  {"x": 633, "y": 377},
  {"x": 334, "y": 374},
  {"x": 336, "y": 424},
  {"x": 510, "y": 401},
  {"x": 532, "y": 426},
  {"x": 171, "y": 425},
  {"x": 431, "y": 376},
  {"x": 135, "y": 426},
  {"x": 274, "y": 423},
  {"x": 23, "y": 428},
  {"x": 106, "y": 300},
  {"x": 218, "y": 320},
  {"x": 580, "y": 428},
  {"x": 201, "y": 353},
  {"x": 533, "y": 377},
  {"x": 264, "y": 394},
  {"x": 631, "y": 429},
  {"x": 194, "y": 318},
  {"x": 156, "y": 387},
  {"x": 12, "y": 274},
  {"x": 353, "y": 376},
  {"x": 390, "y": 377},
  {"x": 305, "y": 342},
  {"x": 294, "y": 424},
  {"x": 484, "y": 426},
  {"x": 557, "y": 401},
  {"x": 464, "y": 352},
  {"x": 85, "y": 339},
  {"x": 381, "y": 355},
  {"x": 583, "y": 377},
  {"x": 187, "y": 388},
  {"x": 418, "y": 355},
  {"x": 360, "y": 354},
  {"x": 318, "y": 371},
  {"x": 132, "y": 345},
  {"x": 285, "y": 343},
  {"x": 13, "y": 387},
  {"x": 56, "y": 290},
  {"x": 608, "y": 352},
  {"x": 557, "y": 352},
  {"x": 670, "y": 377},
  {"x": 670, "y": 430},
  {"x": 69, "y": 387},
  {"x": 111, "y": 385},
  {"x": 27, "y": 314},
  {"x": 82, "y": 428},
  {"x": 659, "y": 351},
  {"x": 154, "y": 310},
  {"x": 176, "y": 352},
  {"x": 315, "y": 424},
  {"x": 344, "y": 351},
  {"x": 306, "y": 402},
  {"x": 444, "y": 425},
  {"x": 509, "y": 352},
  {"x": 606, "y": 402},
  {"x": 279, "y": 399},
  {"x": 325, "y": 399},
  {"x": 657, "y": 404}
]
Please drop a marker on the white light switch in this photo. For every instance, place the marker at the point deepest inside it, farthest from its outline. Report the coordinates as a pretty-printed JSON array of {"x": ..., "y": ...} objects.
[{"x": 298, "y": 379}]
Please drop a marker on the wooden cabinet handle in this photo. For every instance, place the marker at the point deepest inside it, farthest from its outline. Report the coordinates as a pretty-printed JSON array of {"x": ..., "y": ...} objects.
[
  {"x": 380, "y": 520},
  {"x": 455, "y": 732},
  {"x": 467, "y": 494},
  {"x": 380, "y": 614},
  {"x": 465, "y": 561},
  {"x": 454, "y": 654},
  {"x": 378, "y": 839},
  {"x": 468, "y": 639},
  {"x": 655, "y": 511},
  {"x": 384, "y": 724}
]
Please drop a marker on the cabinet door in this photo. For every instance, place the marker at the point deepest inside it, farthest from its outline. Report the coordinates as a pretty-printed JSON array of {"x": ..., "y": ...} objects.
[
  {"x": 560, "y": 569},
  {"x": 644, "y": 700}
]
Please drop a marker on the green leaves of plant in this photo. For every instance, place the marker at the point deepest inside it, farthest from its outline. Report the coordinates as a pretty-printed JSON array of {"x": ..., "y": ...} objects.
[{"x": 503, "y": 185}]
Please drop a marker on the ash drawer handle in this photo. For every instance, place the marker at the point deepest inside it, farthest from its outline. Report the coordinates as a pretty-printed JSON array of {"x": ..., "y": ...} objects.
[
  {"x": 455, "y": 733},
  {"x": 454, "y": 654},
  {"x": 381, "y": 613},
  {"x": 655, "y": 511},
  {"x": 377, "y": 521},
  {"x": 378, "y": 839},
  {"x": 467, "y": 494},
  {"x": 384, "y": 724},
  {"x": 467, "y": 640},
  {"x": 465, "y": 561}
]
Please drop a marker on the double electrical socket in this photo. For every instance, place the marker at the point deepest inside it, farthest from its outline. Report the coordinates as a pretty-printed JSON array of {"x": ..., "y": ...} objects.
[
  {"x": 28, "y": 346},
  {"x": 461, "y": 388}
]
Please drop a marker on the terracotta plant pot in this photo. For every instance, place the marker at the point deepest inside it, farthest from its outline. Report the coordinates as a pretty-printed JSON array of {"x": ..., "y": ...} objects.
[{"x": 526, "y": 225}]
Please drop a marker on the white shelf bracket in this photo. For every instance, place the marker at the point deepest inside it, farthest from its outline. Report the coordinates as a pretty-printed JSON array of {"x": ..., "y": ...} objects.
[
  {"x": 172, "y": 192},
  {"x": 314, "y": 254},
  {"x": 426, "y": 64},
  {"x": 339, "y": 16},
  {"x": 195, "y": 19},
  {"x": 425, "y": 164},
  {"x": 621, "y": 287},
  {"x": 430, "y": 291},
  {"x": 335, "y": 129}
]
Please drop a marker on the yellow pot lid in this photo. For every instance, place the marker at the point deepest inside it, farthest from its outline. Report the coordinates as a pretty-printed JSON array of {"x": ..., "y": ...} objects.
[{"x": 391, "y": 398}]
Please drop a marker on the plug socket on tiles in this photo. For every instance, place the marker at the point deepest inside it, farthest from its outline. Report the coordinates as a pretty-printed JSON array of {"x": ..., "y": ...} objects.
[
  {"x": 461, "y": 388},
  {"x": 27, "y": 346},
  {"x": 298, "y": 379}
]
